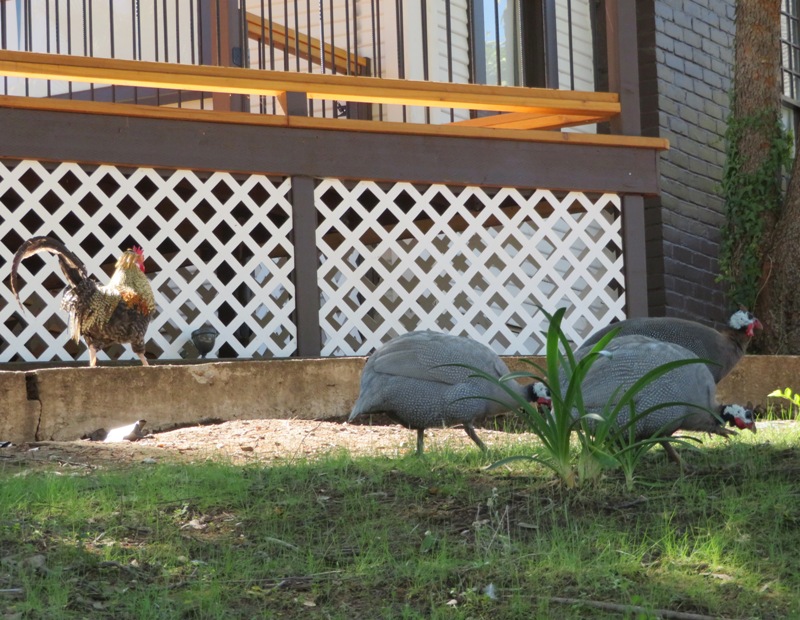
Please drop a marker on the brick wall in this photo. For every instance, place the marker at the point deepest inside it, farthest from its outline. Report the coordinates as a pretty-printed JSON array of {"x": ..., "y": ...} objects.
[{"x": 686, "y": 70}]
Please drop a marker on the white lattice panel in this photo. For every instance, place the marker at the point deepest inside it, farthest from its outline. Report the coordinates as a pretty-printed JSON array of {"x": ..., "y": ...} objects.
[
  {"x": 217, "y": 245},
  {"x": 393, "y": 258},
  {"x": 465, "y": 260}
]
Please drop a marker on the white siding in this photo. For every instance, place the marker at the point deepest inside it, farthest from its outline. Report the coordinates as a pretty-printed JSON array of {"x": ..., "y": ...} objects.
[
  {"x": 582, "y": 70},
  {"x": 413, "y": 56}
]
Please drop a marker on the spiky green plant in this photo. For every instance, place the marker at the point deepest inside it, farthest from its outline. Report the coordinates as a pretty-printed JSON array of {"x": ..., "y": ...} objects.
[
  {"x": 604, "y": 443},
  {"x": 615, "y": 445},
  {"x": 554, "y": 431}
]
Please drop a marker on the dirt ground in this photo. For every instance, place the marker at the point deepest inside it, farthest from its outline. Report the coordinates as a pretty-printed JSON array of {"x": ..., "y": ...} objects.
[
  {"x": 247, "y": 441},
  {"x": 253, "y": 441}
]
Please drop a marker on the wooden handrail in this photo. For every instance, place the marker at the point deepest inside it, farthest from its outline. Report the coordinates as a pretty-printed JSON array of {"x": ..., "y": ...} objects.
[
  {"x": 332, "y": 87},
  {"x": 293, "y": 42}
]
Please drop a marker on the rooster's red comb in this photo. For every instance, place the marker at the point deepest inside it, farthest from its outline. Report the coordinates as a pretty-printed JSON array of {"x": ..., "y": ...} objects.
[{"x": 138, "y": 250}]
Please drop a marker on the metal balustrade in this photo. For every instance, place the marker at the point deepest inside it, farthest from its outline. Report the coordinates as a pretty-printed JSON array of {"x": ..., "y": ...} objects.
[{"x": 448, "y": 41}]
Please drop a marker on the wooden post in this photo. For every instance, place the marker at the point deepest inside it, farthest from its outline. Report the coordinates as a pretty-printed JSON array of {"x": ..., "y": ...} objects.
[
  {"x": 226, "y": 38},
  {"x": 623, "y": 78},
  {"x": 306, "y": 267},
  {"x": 623, "y": 65},
  {"x": 306, "y": 254},
  {"x": 293, "y": 104}
]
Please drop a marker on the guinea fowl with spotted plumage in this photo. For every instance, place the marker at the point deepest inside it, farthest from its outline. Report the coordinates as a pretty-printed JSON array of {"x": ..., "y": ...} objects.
[
  {"x": 420, "y": 380},
  {"x": 724, "y": 347},
  {"x": 118, "y": 312},
  {"x": 628, "y": 358}
]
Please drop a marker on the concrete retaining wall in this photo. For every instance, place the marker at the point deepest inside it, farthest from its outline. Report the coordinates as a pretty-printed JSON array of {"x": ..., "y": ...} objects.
[{"x": 67, "y": 403}]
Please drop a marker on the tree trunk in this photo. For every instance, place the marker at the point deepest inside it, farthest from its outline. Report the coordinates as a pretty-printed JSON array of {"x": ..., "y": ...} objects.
[
  {"x": 778, "y": 305},
  {"x": 756, "y": 80},
  {"x": 757, "y": 90}
]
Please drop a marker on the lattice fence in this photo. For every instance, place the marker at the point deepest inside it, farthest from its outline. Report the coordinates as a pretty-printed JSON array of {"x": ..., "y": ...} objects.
[
  {"x": 392, "y": 258},
  {"x": 217, "y": 248},
  {"x": 467, "y": 260}
]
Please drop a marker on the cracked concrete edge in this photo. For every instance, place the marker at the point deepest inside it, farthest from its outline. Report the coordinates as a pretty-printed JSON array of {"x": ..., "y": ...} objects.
[
  {"x": 67, "y": 403},
  {"x": 19, "y": 415}
]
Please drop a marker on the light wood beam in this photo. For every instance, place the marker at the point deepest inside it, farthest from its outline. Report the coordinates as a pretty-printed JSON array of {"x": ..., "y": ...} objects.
[
  {"x": 333, "y": 87},
  {"x": 293, "y": 42},
  {"x": 524, "y": 120}
]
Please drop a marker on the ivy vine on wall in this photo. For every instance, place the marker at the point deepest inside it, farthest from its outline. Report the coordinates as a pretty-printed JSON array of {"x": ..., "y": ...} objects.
[{"x": 749, "y": 195}]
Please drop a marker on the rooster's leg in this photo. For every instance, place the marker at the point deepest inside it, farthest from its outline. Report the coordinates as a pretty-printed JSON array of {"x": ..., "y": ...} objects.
[
  {"x": 92, "y": 356},
  {"x": 138, "y": 348}
]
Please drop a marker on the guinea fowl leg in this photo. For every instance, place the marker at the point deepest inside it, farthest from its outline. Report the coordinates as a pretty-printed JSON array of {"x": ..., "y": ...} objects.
[
  {"x": 671, "y": 453},
  {"x": 473, "y": 436},
  {"x": 420, "y": 440}
]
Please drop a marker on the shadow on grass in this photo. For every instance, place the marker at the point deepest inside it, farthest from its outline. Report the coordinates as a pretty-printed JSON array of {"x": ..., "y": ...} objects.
[{"x": 408, "y": 537}]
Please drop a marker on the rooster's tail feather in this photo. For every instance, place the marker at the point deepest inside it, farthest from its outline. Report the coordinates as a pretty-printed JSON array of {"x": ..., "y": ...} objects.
[{"x": 71, "y": 266}]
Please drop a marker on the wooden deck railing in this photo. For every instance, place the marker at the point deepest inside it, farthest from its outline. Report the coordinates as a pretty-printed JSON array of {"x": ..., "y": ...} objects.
[
  {"x": 308, "y": 162},
  {"x": 524, "y": 108}
]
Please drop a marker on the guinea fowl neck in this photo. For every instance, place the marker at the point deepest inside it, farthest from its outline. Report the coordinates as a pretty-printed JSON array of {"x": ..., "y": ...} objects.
[
  {"x": 738, "y": 337},
  {"x": 530, "y": 393}
]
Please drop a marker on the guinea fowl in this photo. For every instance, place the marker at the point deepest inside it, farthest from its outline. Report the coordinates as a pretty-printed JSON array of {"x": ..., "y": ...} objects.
[
  {"x": 415, "y": 379},
  {"x": 627, "y": 358},
  {"x": 725, "y": 347}
]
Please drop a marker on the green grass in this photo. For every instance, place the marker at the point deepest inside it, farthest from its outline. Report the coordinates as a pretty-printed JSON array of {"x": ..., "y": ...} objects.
[{"x": 344, "y": 537}]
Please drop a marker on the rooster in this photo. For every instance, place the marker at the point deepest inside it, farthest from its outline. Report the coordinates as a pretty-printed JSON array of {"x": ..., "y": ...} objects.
[{"x": 118, "y": 312}]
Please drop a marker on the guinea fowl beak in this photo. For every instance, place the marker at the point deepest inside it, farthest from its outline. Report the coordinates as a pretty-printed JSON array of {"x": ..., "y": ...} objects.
[{"x": 756, "y": 324}]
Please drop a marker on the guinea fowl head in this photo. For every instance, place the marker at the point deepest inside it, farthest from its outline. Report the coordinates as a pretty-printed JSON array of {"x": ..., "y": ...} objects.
[
  {"x": 541, "y": 394},
  {"x": 738, "y": 416},
  {"x": 744, "y": 322}
]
